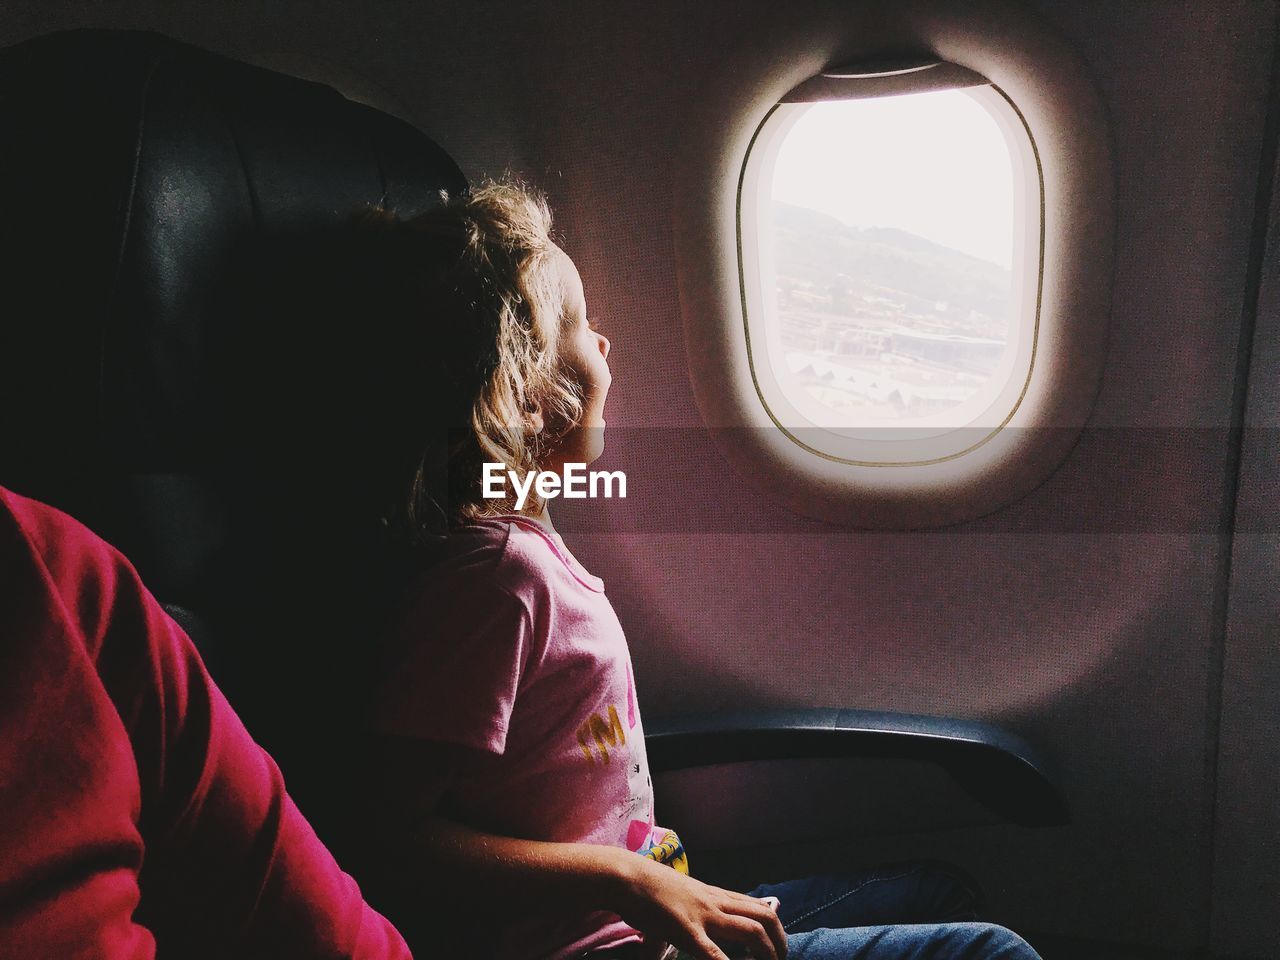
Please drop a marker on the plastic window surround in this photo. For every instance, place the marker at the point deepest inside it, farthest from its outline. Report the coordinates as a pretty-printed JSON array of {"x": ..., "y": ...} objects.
[
  {"x": 923, "y": 440},
  {"x": 1011, "y": 47}
]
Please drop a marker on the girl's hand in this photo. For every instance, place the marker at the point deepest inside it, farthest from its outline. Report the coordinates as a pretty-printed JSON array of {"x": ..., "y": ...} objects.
[{"x": 700, "y": 919}]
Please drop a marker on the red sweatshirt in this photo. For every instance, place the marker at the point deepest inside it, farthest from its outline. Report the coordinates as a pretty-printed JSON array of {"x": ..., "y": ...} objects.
[{"x": 117, "y": 749}]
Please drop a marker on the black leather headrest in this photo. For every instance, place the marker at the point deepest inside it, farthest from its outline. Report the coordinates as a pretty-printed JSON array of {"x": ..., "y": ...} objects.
[
  {"x": 174, "y": 369},
  {"x": 158, "y": 205}
]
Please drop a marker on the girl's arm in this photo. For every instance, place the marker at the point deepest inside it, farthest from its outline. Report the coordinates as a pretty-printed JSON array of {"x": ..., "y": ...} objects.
[{"x": 464, "y": 868}]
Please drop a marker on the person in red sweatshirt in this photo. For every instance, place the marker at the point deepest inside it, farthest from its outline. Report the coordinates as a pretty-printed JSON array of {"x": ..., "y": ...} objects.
[{"x": 137, "y": 816}]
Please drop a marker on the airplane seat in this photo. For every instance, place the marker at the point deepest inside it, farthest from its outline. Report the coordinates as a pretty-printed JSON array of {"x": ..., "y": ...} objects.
[{"x": 175, "y": 370}]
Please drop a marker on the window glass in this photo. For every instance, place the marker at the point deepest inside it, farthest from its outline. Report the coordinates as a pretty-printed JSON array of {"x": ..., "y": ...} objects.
[{"x": 890, "y": 250}]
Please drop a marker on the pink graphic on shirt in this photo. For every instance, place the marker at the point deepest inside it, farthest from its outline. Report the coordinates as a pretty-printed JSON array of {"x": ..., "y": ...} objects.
[{"x": 637, "y": 833}]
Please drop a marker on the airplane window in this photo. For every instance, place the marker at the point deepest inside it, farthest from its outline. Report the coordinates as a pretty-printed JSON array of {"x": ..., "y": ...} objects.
[{"x": 889, "y": 225}]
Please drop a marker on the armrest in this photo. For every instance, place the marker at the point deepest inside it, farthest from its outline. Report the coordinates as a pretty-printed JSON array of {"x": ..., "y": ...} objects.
[{"x": 999, "y": 770}]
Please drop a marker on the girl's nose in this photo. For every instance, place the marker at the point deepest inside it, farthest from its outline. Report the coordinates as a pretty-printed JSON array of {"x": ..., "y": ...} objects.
[{"x": 604, "y": 345}]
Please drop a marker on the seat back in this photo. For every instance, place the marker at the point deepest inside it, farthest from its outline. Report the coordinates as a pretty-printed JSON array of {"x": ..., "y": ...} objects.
[{"x": 172, "y": 368}]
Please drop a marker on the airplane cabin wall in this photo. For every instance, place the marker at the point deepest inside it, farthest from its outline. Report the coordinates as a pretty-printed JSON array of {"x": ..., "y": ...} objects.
[
  {"x": 1246, "y": 877},
  {"x": 1093, "y": 617}
]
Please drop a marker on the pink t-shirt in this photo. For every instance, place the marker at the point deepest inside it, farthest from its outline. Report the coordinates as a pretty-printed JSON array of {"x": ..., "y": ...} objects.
[{"x": 510, "y": 646}]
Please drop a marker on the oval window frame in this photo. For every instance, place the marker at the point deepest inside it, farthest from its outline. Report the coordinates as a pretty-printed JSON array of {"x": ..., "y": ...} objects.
[{"x": 1015, "y": 50}]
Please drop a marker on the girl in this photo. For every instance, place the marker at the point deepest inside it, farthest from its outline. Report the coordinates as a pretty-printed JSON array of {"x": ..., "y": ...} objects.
[{"x": 515, "y": 800}]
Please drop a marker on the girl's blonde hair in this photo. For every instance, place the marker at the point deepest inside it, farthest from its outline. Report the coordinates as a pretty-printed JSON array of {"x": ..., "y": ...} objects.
[{"x": 488, "y": 291}]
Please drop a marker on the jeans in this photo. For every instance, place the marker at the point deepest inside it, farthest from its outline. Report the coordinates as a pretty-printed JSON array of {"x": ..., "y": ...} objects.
[
  {"x": 911, "y": 911},
  {"x": 902, "y": 911}
]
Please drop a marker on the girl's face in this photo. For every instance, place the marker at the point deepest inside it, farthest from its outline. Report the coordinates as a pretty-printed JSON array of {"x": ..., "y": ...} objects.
[{"x": 583, "y": 353}]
